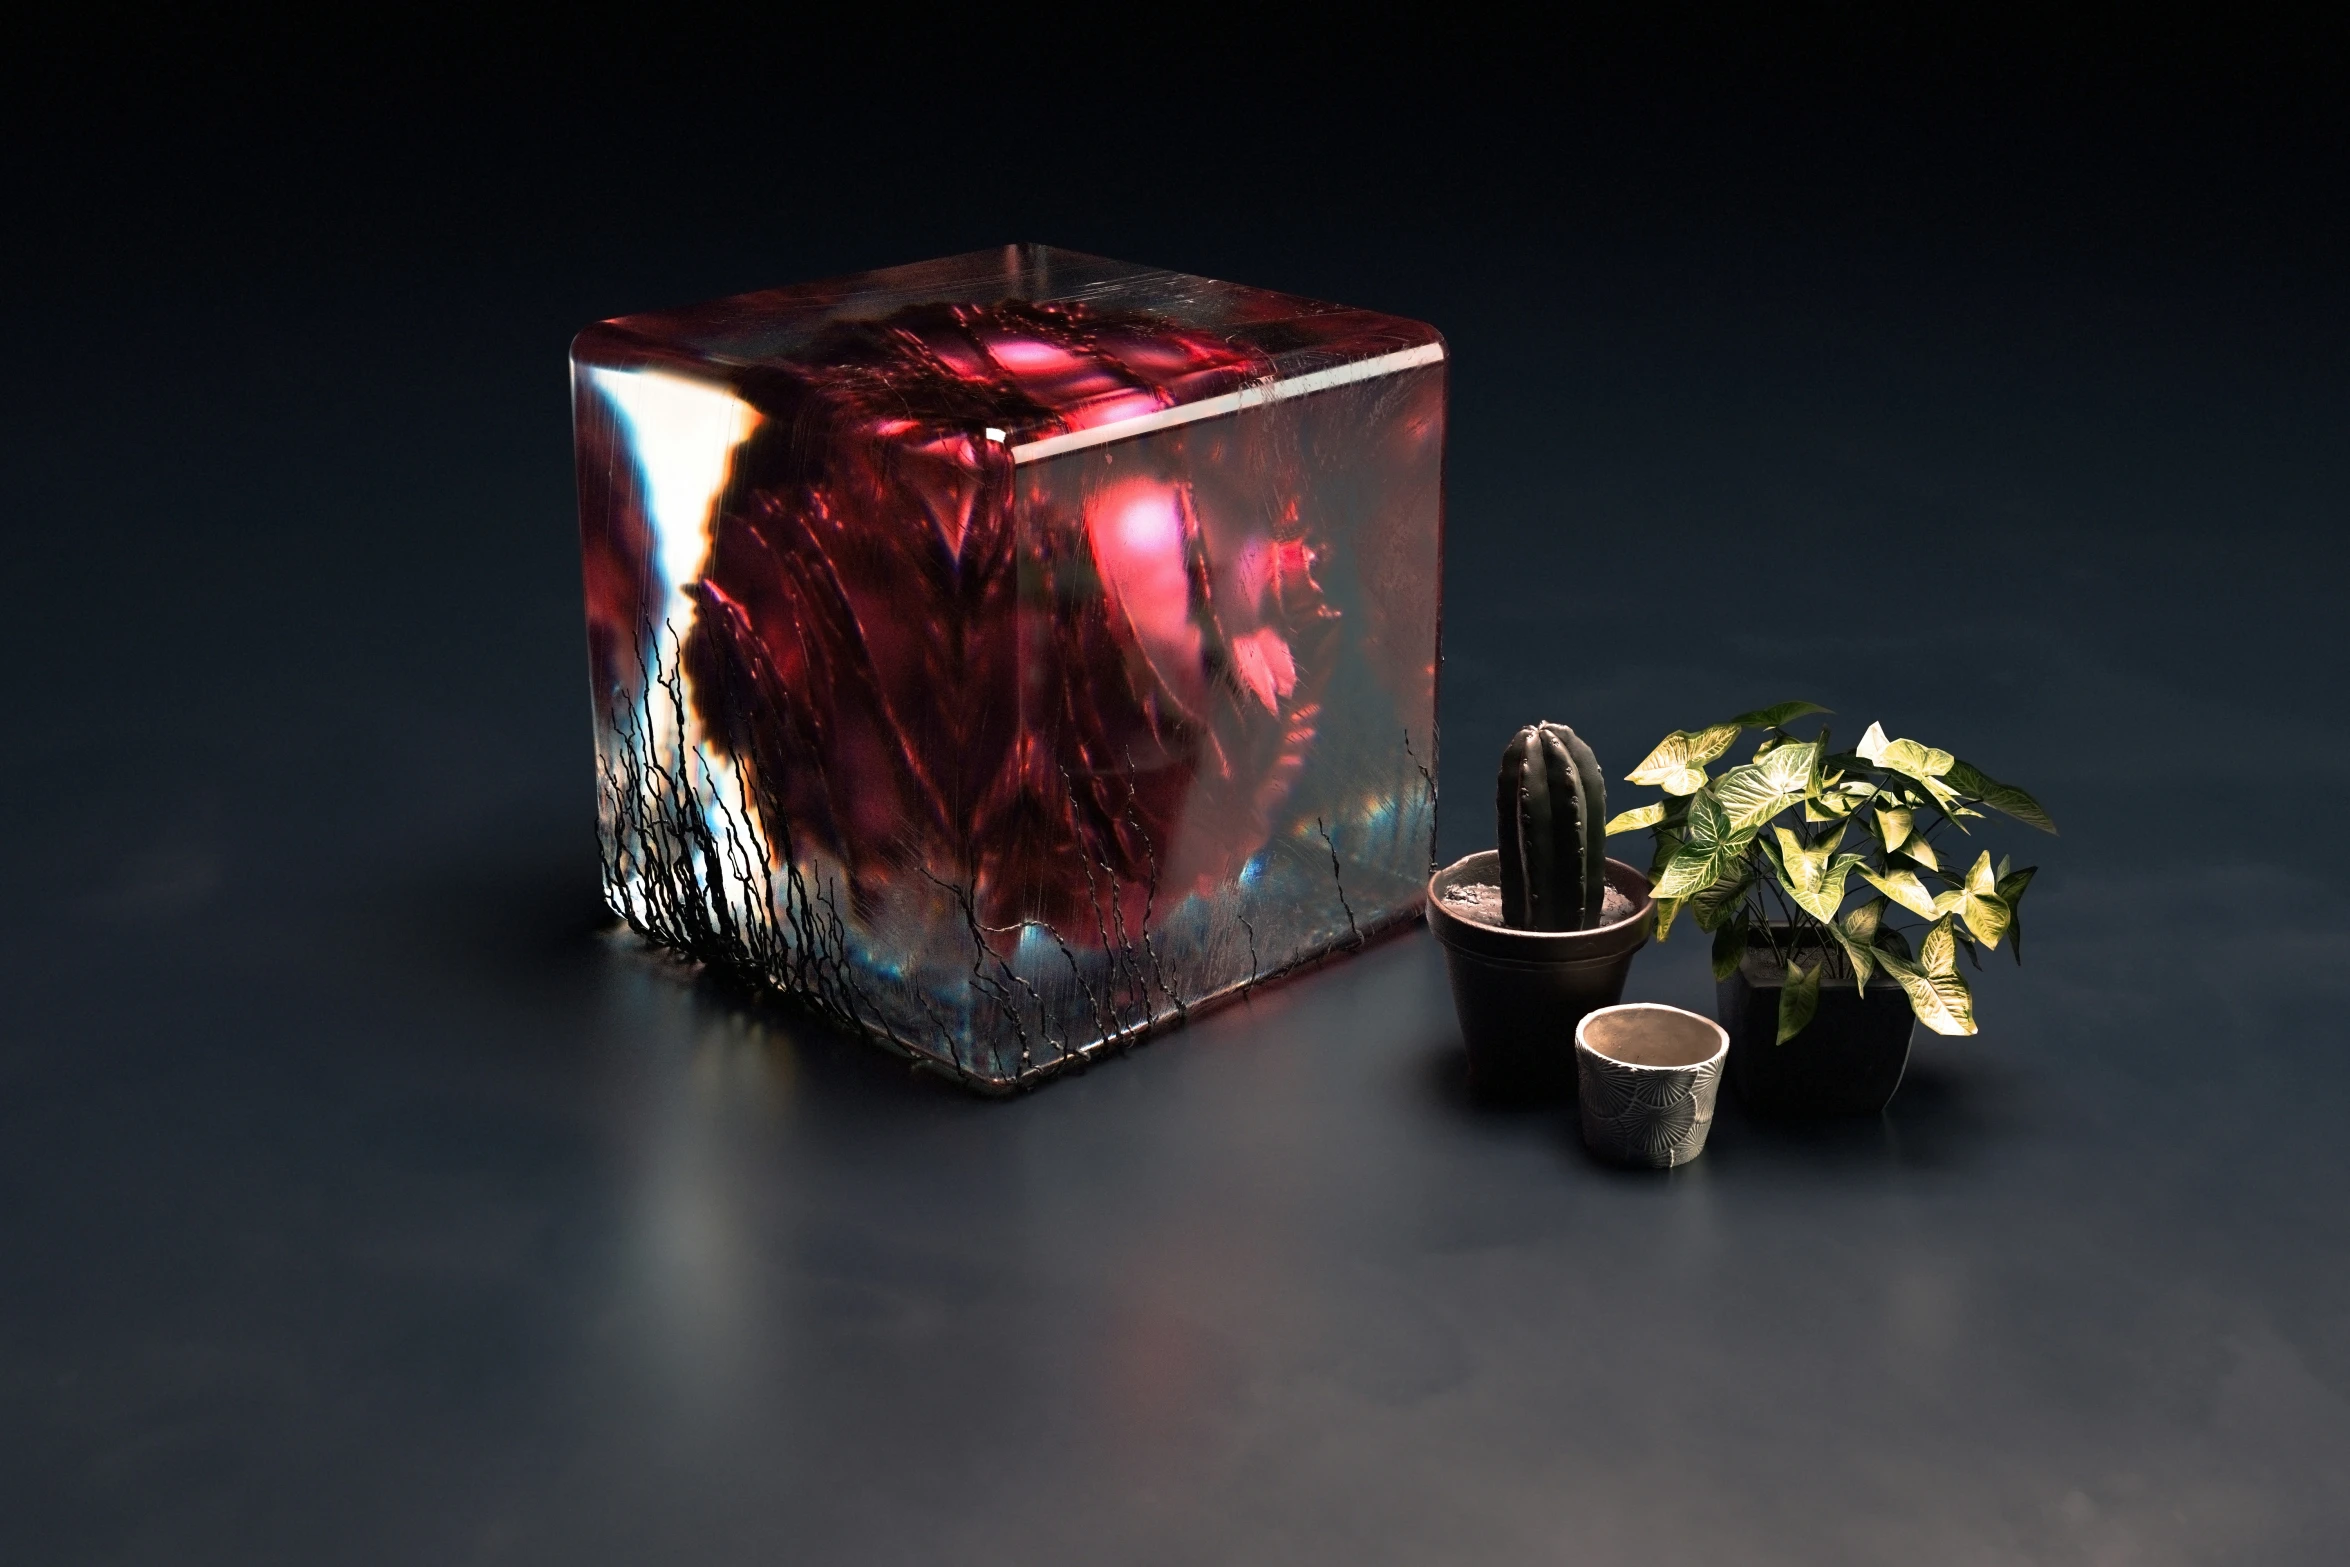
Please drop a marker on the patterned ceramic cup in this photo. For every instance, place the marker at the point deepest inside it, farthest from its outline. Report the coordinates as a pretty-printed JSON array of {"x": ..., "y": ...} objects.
[{"x": 1646, "y": 1075}]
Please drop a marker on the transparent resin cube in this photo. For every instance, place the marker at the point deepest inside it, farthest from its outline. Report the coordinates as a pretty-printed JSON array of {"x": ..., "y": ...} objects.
[{"x": 1009, "y": 655}]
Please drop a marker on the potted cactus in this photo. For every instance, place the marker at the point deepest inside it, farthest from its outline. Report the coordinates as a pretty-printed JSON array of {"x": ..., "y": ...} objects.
[
  {"x": 1541, "y": 930},
  {"x": 1821, "y": 1000}
]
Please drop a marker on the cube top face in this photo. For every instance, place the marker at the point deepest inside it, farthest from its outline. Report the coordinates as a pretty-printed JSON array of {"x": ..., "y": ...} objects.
[
  {"x": 1009, "y": 654},
  {"x": 1044, "y": 348}
]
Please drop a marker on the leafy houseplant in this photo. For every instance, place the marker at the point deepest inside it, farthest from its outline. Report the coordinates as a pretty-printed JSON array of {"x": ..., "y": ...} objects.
[
  {"x": 1765, "y": 854},
  {"x": 1541, "y": 930}
]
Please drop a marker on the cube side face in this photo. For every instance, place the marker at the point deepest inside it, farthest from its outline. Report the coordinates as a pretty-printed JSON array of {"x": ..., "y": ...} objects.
[
  {"x": 1231, "y": 634},
  {"x": 1008, "y": 750},
  {"x": 789, "y": 616}
]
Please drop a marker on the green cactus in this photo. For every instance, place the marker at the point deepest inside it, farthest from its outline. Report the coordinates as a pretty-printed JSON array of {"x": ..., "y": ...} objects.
[{"x": 1552, "y": 807}]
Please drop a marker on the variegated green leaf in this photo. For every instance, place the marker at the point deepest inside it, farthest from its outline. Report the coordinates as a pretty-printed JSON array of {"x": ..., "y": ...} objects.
[
  {"x": 1976, "y": 784},
  {"x": 1803, "y": 863},
  {"x": 1795, "y": 862},
  {"x": 1858, "y": 954},
  {"x": 1668, "y": 844},
  {"x": 1985, "y": 912},
  {"x": 1921, "y": 851},
  {"x": 1677, "y": 765},
  {"x": 1937, "y": 992},
  {"x": 1827, "y": 794},
  {"x": 1856, "y": 933},
  {"x": 1747, "y": 797},
  {"x": 1669, "y": 757},
  {"x": 1713, "y": 907},
  {"x": 1799, "y": 998},
  {"x": 1634, "y": 820},
  {"x": 1863, "y": 922},
  {"x": 1751, "y": 795},
  {"x": 1709, "y": 743},
  {"x": 1822, "y": 902},
  {"x": 1791, "y": 767},
  {"x": 1833, "y": 806},
  {"x": 1904, "y": 888},
  {"x": 1667, "y": 909},
  {"x": 1681, "y": 780},
  {"x": 1690, "y": 870},
  {"x": 1894, "y": 827},
  {"x": 1840, "y": 867},
  {"x": 1774, "y": 716},
  {"x": 1709, "y": 848},
  {"x": 1707, "y": 825},
  {"x": 1813, "y": 876},
  {"x": 1958, "y": 1004},
  {"x": 1729, "y": 948},
  {"x": 1922, "y": 762},
  {"x": 1988, "y": 918},
  {"x": 1941, "y": 1000},
  {"x": 2010, "y": 889},
  {"x": 1938, "y": 952}
]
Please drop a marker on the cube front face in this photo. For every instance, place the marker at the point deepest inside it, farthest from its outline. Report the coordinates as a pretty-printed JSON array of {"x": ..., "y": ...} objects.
[{"x": 1009, "y": 655}]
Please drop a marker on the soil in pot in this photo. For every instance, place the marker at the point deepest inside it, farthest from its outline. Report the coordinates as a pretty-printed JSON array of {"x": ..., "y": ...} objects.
[
  {"x": 1848, "y": 1060},
  {"x": 1480, "y": 903},
  {"x": 1518, "y": 993}
]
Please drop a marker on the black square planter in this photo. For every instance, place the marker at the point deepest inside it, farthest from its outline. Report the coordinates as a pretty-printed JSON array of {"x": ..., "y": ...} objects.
[{"x": 1847, "y": 1061}]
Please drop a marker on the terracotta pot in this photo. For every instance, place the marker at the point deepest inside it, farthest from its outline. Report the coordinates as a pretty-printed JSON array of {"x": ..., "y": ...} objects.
[
  {"x": 1646, "y": 1075},
  {"x": 1848, "y": 1060},
  {"x": 1520, "y": 993}
]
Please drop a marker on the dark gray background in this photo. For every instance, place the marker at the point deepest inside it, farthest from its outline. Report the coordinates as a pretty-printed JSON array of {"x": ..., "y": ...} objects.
[{"x": 361, "y": 1202}]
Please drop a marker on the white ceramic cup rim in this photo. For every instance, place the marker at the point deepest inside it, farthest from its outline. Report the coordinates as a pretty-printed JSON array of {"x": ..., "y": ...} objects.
[{"x": 1721, "y": 1036}]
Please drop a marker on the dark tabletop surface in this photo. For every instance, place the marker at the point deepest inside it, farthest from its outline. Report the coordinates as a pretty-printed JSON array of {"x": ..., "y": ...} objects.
[{"x": 363, "y": 1200}]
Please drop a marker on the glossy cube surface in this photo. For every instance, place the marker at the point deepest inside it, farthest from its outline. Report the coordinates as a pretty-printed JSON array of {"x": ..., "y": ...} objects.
[{"x": 1010, "y": 654}]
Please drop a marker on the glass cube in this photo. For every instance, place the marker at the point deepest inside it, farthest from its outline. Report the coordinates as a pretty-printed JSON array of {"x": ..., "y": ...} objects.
[{"x": 1009, "y": 655}]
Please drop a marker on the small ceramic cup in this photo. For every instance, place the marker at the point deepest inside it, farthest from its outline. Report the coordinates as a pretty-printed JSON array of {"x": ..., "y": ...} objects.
[{"x": 1646, "y": 1075}]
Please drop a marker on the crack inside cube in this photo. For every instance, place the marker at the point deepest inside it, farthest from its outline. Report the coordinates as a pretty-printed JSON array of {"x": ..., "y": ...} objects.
[{"x": 1009, "y": 655}]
